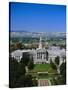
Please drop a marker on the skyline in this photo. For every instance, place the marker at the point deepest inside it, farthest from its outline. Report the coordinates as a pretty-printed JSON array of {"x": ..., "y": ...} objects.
[{"x": 37, "y": 17}]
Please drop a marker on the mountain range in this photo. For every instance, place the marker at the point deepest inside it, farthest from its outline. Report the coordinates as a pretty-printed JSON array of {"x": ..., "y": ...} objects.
[{"x": 37, "y": 34}]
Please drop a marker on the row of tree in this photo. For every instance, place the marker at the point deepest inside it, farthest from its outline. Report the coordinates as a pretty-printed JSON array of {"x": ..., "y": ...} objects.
[
  {"x": 60, "y": 78},
  {"x": 17, "y": 73}
]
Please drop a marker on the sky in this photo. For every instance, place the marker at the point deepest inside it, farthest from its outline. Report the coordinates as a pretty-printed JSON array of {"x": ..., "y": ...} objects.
[{"x": 37, "y": 17}]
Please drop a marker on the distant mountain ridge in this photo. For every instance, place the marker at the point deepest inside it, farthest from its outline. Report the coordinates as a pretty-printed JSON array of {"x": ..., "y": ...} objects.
[{"x": 36, "y": 34}]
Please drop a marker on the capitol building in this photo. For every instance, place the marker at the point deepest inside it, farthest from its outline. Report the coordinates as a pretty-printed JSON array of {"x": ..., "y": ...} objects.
[{"x": 40, "y": 54}]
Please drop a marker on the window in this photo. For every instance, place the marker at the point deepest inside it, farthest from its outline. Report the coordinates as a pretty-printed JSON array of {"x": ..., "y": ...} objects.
[
  {"x": 39, "y": 55},
  {"x": 44, "y": 56}
]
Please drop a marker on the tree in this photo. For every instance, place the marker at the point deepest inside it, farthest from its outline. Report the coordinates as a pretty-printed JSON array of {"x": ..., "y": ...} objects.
[
  {"x": 25, "y": 59},
  {"x": 12, "y": 47},
  {"x": 18, "y": 76},
  {"x": 60, "y": 79},
  {"x": 53, "y": 65},
  {"x": 21, "y": 69},
  {"x": 63, "y": 68},
  {"x": 13, "y": 67},
  {"x": 57, "y": 63},
  {"x": 31, "y": 64},
  {"x": 47, "y": 55},
  {"x": 35, "y": 82},
  {"x": 16, "y": 70},
  {"x": 63, "y": 72},
  {"x": 18, "y": 45},
  {"x": 24, "y": 81},
  {"x": 57, "y": 60},
  {"x": 64, "y": 58}
]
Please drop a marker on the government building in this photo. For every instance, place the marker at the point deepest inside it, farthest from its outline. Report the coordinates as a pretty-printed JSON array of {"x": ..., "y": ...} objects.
[{"x": 41, "y": 54}]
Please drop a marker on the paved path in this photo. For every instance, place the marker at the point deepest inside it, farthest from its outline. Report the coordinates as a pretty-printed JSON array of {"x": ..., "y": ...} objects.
[{"x": 44, "y": 82}]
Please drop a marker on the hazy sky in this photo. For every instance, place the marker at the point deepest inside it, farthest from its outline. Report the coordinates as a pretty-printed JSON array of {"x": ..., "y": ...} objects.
[{"x": 37, "y": 17}]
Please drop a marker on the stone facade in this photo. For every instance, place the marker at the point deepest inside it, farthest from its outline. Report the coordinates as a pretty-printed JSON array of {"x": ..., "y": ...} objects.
[{"x": 39, "y": 54}]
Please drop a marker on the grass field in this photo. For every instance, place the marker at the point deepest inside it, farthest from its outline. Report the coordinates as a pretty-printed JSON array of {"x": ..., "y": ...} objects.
[{"x": 43, "y": 68}]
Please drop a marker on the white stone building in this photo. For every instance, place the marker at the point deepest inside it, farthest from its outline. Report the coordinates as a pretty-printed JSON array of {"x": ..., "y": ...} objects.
[{"x": 39, "y": 54}]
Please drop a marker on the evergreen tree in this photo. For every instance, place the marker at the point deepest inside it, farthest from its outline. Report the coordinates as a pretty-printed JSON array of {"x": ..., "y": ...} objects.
[
  {"x": 53, "y": 65},
  {"x": 47, "y": 55},
  {"x": 57, "y": 60}
]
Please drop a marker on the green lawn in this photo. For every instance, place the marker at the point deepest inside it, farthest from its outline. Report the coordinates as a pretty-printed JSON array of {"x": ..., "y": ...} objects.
[{"x": 43, "y": 68}]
